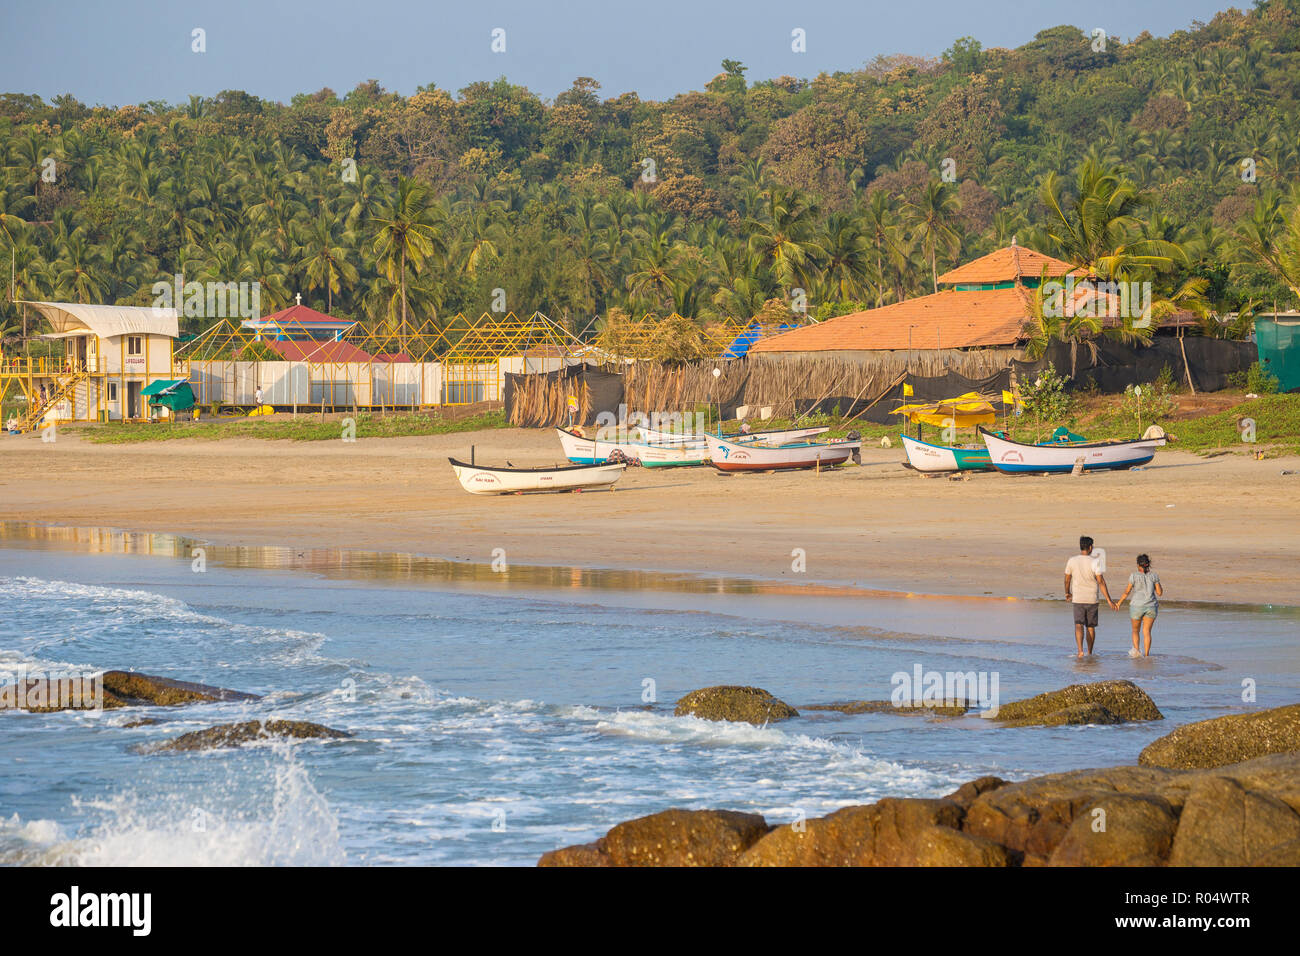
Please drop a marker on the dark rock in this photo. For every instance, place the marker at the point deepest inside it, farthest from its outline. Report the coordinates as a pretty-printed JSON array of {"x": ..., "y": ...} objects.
[
  {"x": 749, "y": 704},
  {"x": 671, "y": 838},
  {"x": 233, "y": 735},
  {"x": 1224, "y": 824},
  {"x": 1119, "y": 830},
  {"x": 1091, "y": 713},
  {"x": 843, "y": 838},
  {"x": 888, "y": 833},
  {"x": 947, "y": 708},
  {"x": 584, "y": 854},
  {"x": 1030, "y": 818},
  {"x": 1226, "y": 740},
  {"x": 146, "y": 722},
  {"x": 50, "y": 695},
  {"x": 135, "y": 688},
  {"x": 967, "y": 793},
  {"x": 683, "y": 838},
  {"x": 1244, "y": 814},
  {"x": 112, "y": 690},
  {"x": 1111, "y": 701}
]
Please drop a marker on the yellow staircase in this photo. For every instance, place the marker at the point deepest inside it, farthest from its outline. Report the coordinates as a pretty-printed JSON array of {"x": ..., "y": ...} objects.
[{"x": 62, "y": 390}]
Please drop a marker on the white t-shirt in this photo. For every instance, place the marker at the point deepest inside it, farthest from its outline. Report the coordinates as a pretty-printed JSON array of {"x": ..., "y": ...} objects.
[{"x": 1083, "y": 579}]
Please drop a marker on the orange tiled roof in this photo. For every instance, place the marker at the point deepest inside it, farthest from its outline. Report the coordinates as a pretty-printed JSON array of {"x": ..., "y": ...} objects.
[
  {"x": 949, "y": 319},
  {"x": 1005, "y": 265}
]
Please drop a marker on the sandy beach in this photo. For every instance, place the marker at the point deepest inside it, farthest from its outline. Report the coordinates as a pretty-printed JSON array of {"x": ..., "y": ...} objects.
[{"x": 1219, "y": 529}]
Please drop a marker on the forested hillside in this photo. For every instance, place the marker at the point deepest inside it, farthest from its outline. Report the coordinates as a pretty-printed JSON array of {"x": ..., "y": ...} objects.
[{"x": 1171, "y": 158}]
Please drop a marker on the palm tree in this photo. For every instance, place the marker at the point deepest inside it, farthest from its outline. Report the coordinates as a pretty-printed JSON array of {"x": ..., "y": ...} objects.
[
  {"x": 845, "y": 257},
  {"x": 325, "y": 262},
  {"x": 1051, "y": 319},
  {"x": 654, "y": 274},
  {"x": 1278, "y": 249},
  {"x": 481, "y": 241},
  {"x": 406, "y": 234},
  {"x": 1096, "y": 227},
  {"x": 782, "y": 236},
  {"x": 78, "y": 270},
  {"x": 932, "y": 217}
]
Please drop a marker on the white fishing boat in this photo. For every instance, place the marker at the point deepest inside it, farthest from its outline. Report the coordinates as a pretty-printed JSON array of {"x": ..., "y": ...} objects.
[
  {"x": 727, "y": 455},
  {"x": 927, "y": 457},
  {"x": 595, "y": 451},
  {"x": 484, "y": 480},
  {"x": 1016, "y": 457},
  {"x": 778, "y": 436}
]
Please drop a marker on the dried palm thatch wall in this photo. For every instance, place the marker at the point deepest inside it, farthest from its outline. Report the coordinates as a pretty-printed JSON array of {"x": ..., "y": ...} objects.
[
  {"x": 784, "y": 381},
  {"x": 541, "y": 400}
]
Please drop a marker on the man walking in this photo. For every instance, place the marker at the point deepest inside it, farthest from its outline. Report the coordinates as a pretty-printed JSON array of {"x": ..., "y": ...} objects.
[{"x": 1082, "y": 584}]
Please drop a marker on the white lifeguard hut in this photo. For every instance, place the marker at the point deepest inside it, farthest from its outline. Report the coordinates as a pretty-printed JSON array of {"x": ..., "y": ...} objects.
[{"x": 110, "y": 354}]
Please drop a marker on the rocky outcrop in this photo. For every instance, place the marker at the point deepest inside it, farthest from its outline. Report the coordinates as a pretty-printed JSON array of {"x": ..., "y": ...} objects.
[
  {"x": 947, "y": 708},
  {"x": 1226, "y": 740},
  {"x": 1224, "y": 824},
  {"x": 1119, "y": 830},
  {"x": 670, "y": 838},
  {"x": 112, "y": 690},
  {"x": 1247, "y": 814},
  {"x": 889, "y": 833},
  {"x": 746, "y": 704},
  {"x": 134, "y": 688},
  {"x": 233, "y": 735},
  {"x": 1103, "y": 702}
]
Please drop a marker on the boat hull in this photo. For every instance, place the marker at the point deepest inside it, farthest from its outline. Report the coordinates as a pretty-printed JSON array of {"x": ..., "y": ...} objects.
[
  {"x": 480, "y": 480},
  {"x": 760, "y": 456},
  {"x": 1018, "y": 458},
  {"x": 591, "y": 451},
  {"x": 775, "y": 437},
  {"x": 929, "y": 458}
]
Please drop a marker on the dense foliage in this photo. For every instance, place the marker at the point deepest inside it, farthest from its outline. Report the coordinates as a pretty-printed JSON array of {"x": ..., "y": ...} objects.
[{"x": 1169, "y": 158}]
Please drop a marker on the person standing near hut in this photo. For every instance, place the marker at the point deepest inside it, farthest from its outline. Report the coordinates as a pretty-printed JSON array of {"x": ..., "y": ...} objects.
[
  {"x": 1083, "y": 585},
  {"x": 257, "y": 397},
  {"x": 573, "y": 410}
]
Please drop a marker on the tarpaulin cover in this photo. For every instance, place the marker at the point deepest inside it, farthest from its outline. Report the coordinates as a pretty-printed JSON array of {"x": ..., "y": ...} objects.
[
  {"x": 175, "y": 394},
  {"x": 1279, "y": 351},
  {"x": 964, "y": 411},
  {"x": 1116, "y": 366}
]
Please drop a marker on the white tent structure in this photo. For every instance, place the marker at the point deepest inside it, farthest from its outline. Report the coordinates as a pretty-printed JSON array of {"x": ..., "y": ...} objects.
[
  {"x": 111, "y": 353},
  {"x": 107, "y": 321}
]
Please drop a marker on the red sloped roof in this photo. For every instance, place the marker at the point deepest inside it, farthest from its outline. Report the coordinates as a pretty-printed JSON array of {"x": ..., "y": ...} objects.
[
  {"x": 301, "y": 315},
  {"x": 311, "y": 351},
  {"x": 948, "y": 319},
  {"x": 1006, "y": 265}
]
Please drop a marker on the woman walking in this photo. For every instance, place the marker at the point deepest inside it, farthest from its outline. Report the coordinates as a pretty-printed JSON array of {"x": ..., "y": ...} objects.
[{"x": 1144, "y": 586}]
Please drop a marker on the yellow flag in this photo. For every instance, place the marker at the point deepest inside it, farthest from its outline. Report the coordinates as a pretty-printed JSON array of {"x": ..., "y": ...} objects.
[
  {"x": 907, "y": 390},
  {"x": 1008, "y": 398}
]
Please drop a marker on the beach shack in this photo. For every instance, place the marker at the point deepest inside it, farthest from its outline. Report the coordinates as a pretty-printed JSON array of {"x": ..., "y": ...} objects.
[{"x": 99, "y": 361}]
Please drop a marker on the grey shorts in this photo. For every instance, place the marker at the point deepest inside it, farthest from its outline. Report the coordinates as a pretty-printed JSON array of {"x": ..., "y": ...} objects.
[
  {"x": 1138, "y": 611},
  {"x": 1085, "y": 614}
]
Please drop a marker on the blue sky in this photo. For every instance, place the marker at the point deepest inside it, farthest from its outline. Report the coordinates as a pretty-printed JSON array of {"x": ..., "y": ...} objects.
[{"x": 130, "y": 51}]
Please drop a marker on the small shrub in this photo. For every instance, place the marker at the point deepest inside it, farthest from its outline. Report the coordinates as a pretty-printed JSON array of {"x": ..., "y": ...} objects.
[
  {"x": 1045, "y": 398},
  {"x": 1255, "y": 380}
]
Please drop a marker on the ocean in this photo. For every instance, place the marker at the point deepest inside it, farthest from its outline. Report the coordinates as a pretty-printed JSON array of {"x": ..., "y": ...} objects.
[{"x": 498, "y": 714}]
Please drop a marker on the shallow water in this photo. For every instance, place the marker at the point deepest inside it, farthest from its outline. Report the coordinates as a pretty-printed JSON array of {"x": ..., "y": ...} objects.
[{"x": 497, "y": 716}]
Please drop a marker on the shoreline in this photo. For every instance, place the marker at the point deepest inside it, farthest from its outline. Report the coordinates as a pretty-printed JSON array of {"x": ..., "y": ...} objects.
[
  {"x": 873, "y": 529},
  {"x": 398, "y": 567}
]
